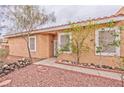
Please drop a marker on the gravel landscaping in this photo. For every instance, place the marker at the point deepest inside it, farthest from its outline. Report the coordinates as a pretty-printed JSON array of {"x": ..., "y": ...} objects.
[
  {"x": 10, "y": 67},
  {"x": 43, "y": 76}
]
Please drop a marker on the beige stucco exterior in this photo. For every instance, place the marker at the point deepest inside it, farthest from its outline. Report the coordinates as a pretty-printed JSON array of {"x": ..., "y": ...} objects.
[
  {"x": 45, "y": 45},
  {"x": 45, "y": 48},
  {"x": 91, "y": 57}
]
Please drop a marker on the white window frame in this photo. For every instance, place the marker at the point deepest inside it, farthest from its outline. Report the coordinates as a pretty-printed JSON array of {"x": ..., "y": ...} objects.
[
  {"x": 59, "y": 41},
  {"x": 117, "y": 53},
  {"x": 34, "y": 50}
]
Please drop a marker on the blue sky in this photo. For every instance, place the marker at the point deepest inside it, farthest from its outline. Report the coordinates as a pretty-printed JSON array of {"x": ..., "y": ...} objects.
[{"x": 73, "y": 13}]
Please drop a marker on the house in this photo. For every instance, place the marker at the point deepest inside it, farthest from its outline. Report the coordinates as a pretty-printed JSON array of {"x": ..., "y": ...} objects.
[{"x": 44, "y": 42}]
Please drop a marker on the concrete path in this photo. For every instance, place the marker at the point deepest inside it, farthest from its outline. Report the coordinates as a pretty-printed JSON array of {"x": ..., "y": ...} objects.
[{"x": 51, "y": 62}]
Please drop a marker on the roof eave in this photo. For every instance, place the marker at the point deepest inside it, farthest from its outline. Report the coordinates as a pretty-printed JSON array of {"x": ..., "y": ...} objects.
[{"x": 102, "y": 21}]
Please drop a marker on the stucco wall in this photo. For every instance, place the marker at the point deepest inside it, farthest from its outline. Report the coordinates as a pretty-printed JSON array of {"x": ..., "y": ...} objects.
[
  {"x": 44, "y": 48},
  {"x": 90, "y": 57},
  {"x": 18, "y": 47}
]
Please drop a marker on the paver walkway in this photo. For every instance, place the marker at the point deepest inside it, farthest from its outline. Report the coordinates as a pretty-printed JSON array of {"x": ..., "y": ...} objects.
[{"x": 51, "y": 62}]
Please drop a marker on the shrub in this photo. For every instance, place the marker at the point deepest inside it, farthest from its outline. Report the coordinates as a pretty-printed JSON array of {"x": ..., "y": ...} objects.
[
  {"x": 92, "y": 64},
  {"x": 110, "y": 67},
  {"x": 98, "y": 66},
  {"x": 116, "y": 68},
  {"x": 3, "y": 53},
  {"x": 104, "y": 66}
]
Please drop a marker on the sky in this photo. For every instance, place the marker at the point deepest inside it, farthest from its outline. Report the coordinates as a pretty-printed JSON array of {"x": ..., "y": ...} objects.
[
  {"x": 73, "y": 13},
  {"x": 66, "y": 13}
]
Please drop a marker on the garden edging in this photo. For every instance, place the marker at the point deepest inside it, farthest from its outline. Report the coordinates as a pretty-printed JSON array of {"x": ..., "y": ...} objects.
[{"x": 114, "y": 71}]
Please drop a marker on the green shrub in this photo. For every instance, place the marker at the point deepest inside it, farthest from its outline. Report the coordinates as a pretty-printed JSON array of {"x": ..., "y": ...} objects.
[{"x": 3, "y": 53}]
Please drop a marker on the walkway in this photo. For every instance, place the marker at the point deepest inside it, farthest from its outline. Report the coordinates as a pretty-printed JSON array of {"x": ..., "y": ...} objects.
[{"x": 51, "y": 62}]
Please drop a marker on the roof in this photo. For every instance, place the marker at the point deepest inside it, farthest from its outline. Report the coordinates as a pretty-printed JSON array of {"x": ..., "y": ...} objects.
[
  {"x": 120, "y": 11},
  {"x": 100, "y": 20}
]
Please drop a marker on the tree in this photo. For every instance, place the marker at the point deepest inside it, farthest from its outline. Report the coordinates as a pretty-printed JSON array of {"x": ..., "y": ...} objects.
[
  {"x": 3, "y": 54},
  {"x": 120, "y": 59},
  {"x": 100, "y": 48},
  {"x": 79, "y": 36},
  {"x": 27, "y": 18},
  {"x": 2, "y": 19},
  {"x": 115, "y": 44}
]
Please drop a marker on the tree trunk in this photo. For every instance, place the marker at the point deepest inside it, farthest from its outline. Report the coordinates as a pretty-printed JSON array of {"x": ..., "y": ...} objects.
[
  {"x": 27, "y": 44},
  {"x": 100, "y": 60},
  {"x": 78, "y": 58},
  {"x": 29, "y": 52}
]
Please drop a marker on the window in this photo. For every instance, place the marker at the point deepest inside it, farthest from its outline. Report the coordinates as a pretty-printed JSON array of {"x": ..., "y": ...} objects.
[
  {"x": 64, "y": 41},
  {"x": 32, "y": 43},
  {"x": 104, "y": 41}
]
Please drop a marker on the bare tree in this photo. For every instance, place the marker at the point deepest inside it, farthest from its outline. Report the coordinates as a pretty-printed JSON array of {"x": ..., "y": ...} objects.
[
  {"x": 27, "y": 18},
  {"x": 2, "y": 19}
]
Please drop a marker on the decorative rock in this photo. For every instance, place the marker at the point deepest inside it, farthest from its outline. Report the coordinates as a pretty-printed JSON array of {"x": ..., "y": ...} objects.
[
  {"x": 17, "y": 65},
  {"x": 23, "y": 62},
  {"x": 97, "y": 66},
  {"x": 85, "y": 64},
  {"x": 12, "y": 66},
  {"x": 6, "y": 71},
  {"x": 7, "y": 68},
  {"x": 1, "y": 70},
  {"x": 92, "y": 64}
]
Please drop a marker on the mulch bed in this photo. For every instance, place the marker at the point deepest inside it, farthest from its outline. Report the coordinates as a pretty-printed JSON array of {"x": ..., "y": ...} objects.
[{"x": 44, "y": 76}]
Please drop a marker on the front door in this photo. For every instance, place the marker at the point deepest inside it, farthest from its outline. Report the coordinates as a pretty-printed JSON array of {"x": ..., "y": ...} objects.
[{"x": 55, "y": 47}]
